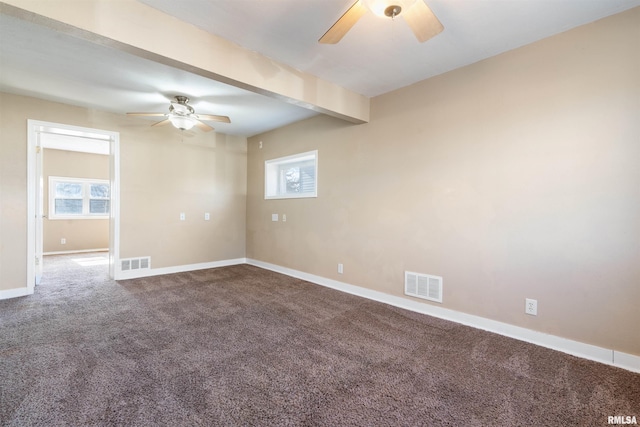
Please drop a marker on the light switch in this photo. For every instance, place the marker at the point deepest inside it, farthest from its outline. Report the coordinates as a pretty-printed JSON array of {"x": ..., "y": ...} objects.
[
  {"x": 182, "y": 216},
  {"x": 274, "y": 217}
]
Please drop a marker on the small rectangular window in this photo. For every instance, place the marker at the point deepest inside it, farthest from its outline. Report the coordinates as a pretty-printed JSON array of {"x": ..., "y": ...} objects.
[
  {"x": 292, "y": 176},
  {"x": 77, "y": 198}
]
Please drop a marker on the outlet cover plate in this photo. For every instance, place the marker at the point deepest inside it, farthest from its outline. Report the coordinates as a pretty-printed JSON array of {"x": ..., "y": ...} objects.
[{"x": 531, "y": 306}]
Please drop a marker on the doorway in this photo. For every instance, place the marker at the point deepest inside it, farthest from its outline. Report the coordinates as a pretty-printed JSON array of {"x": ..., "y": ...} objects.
[{"x": 56, "y": 137}]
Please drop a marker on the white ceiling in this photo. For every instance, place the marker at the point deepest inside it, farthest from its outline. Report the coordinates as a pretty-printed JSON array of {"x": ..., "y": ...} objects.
[{"x": 376, "y": 56}]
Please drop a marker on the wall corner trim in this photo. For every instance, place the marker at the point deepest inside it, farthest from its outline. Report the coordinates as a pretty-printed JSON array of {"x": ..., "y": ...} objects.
[{"x": 611, "y": 357}]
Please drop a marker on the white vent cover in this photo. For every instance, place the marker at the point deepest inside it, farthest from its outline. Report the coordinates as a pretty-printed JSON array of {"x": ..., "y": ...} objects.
[
  {"x": 423, "y": 286},
  {"x": 135, "y": 264}
]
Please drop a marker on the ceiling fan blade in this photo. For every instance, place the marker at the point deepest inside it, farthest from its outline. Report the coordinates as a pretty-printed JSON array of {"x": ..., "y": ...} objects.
[
  {"x": 344, "y": 24},
  {"x": 203, "y": 126},
  {"x": 212, "y": 118},
  {"x": 422, "y": 21},
  {"x": 162, "y": 123},
  {"x": 147, "y": 114}
]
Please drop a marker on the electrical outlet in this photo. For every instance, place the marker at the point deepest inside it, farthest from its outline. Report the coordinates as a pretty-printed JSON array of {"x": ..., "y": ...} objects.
[
  {"x": 531, "y": 306},
  {"x": 182, "y": 216},
  {"x": 207, "y": 216},
  {"x": 284, "y": 217},
  {"x": 340, "y": 269},
  {"x": 63, "y": 241}
]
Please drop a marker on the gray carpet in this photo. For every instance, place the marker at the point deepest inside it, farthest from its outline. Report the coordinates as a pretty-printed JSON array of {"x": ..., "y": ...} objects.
[{"x": 244, "y": 346}]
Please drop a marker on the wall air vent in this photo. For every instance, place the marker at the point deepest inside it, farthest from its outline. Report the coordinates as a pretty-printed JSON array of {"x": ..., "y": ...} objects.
[
  {"x": 129, "y": 264},
  {"x": 423, "y": 286},
  {"x": 145, "y": 262}
]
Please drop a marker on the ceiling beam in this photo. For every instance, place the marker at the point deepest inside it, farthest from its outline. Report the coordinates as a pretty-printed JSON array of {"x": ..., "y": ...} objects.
[{"x": 141, "y": 30}]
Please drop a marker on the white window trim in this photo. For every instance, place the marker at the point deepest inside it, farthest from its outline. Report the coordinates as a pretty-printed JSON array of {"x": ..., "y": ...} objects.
[
  {"x": 271, "y": 178},
  {"x": 86, "y": 197}
]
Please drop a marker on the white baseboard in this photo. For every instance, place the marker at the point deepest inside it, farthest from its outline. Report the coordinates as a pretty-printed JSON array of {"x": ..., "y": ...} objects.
[
  {"x": 14, "y": 293},
  {"x": 76, "y": 252},
  {"x": 135, "y": 274},
  {"x": 626, "y": 361}
]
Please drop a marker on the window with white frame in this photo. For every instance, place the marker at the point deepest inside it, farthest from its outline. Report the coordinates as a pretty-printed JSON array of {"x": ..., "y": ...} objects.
[
  {"x": 78, "y": 198},
  {"x": 292, "y": 176}
]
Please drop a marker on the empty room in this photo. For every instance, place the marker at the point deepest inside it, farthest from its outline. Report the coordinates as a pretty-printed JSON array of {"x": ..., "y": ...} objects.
[{"x": 319, "y": 212}]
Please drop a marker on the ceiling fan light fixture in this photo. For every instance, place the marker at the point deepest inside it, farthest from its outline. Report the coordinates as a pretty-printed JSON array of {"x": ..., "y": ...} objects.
[
  {"x": 417, "y": 15},
  {"x": 182, "y": 116},
  {"x": 388, "y": 8},
  {"x": 182, "y": 122}
]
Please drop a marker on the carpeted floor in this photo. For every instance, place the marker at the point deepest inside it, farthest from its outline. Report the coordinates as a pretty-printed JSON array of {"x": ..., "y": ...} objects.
[{"x": 241, "y": 346}]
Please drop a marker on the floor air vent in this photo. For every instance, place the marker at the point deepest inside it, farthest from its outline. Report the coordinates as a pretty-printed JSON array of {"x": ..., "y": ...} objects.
[
  {"x": 135, "y": 264},
  {"x": 423, "y": 286}
]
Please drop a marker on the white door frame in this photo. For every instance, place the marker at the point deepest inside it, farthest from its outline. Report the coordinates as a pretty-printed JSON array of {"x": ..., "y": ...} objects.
[{"x": 34, "y": 186}]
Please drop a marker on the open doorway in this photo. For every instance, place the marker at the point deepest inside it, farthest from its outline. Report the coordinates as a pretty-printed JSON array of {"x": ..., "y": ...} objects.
[
  {"x": 73, "y": 198},
  {"x": 76, "y": 205}
]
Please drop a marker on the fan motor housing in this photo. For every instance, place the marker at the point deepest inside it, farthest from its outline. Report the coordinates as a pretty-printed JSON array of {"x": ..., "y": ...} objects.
[
  {"x": 181, "y": 106},
  {"x": 393, "y": 11}
]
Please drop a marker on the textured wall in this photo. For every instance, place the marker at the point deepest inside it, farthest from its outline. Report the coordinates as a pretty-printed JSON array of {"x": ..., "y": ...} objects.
[{"x": 515, "y": 177}]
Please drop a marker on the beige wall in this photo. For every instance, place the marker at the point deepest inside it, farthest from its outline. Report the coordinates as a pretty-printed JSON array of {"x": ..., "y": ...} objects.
[
  {"x": 516, "y": 177},
  {"x": 179, "y": 174},
  {"x": 163, "y": 173},
  {"x": 13, "y": 207},
  {"x": 80, "y": 234}
]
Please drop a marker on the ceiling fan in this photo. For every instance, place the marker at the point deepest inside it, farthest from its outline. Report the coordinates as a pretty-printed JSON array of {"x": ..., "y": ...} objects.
[
  {"x": 182, "y": 116},
  {"x": 418, "y": 15}
]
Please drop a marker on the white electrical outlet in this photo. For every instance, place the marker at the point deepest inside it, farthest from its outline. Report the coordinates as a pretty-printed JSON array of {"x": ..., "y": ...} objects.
[
  {"x": 207, "y": 216},
  {"x": 284, "y": 217},
  {"x": 182, "y": 216},
  {"x": 63, "y": 241},
  {"x": 531, "y": 306},
  {"x": 340, "y": 269}
]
